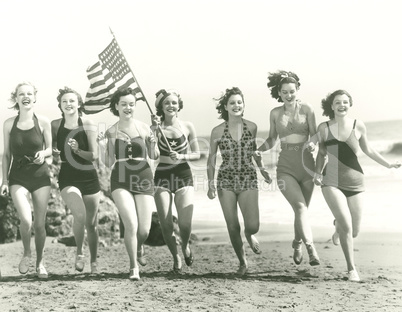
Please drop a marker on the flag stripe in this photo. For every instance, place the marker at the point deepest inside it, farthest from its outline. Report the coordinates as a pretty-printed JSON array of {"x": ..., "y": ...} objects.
[{"x": 109, "y": 74}]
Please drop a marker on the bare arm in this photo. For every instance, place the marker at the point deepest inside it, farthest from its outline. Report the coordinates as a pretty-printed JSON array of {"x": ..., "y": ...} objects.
[
  {"x": 47, "y": 135},
  {"x": 6, "y": 162},
  {"x": 321, "y": 155},
  {"x": 92, "y": 153},
  {"x": 106, "y": 147},
  {"x": 194, "y": 153},
  {"x": 152, "y": 146},
  {"x": 258, "y": 157},
  {"x": 371, "y": 152},
  {"x": 273, "y": 135},
  {"x": 211, "y": 162},
  {"x": 312, "y": 128},
  {"x": 55, "y": 124},
  {"x": 312, "y": 125}
]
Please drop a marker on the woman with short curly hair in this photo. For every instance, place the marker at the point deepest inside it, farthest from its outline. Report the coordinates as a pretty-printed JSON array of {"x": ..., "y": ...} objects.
[
  {"x": 236, "y": 183},
  {"x": 74, "y": 140},
  {"x": 127, "y": 146},
  {"x": 342, "y": 180}
]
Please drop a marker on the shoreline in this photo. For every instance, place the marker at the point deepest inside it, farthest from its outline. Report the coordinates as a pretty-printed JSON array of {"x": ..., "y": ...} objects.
[{"x": 273, "y": 282}]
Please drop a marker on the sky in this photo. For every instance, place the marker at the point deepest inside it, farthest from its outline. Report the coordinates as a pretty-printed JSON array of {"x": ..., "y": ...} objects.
[{"x": 203, "y": 47}]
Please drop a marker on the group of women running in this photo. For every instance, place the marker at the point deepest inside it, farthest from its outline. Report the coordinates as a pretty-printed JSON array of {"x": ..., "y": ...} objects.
[{"x": 127, "y": 146}]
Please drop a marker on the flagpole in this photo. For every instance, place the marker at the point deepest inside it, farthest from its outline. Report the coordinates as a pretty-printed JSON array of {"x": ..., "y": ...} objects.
[{"x": 145, "y": 99}]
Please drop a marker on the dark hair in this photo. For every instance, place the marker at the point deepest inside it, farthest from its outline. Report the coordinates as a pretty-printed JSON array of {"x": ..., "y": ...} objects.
[
  {"x": 116, "y": 98},
  {"x": 161, "y": 95},
  {"x": 326, "y": 103},
  {"x": 276, "y": 80},
  {"x": 67, "y": 90},
  {"x": 14, "y": 94},
  {"x": 223, "y": 101}
]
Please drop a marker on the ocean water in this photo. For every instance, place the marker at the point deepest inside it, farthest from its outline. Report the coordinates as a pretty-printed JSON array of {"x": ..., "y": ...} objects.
[{"x": 383, "y": 196}]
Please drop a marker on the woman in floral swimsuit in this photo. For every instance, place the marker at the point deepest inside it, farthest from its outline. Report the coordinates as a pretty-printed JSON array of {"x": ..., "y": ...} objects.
[{"x": 237, "y": 182}]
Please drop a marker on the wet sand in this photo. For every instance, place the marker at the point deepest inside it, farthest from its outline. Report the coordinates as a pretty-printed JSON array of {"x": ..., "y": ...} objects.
[{"x": 273, "y": 282}]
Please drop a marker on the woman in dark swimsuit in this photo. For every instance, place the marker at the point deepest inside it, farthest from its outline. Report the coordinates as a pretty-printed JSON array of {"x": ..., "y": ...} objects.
[
  {"x": 129, "y": 142},
  {"x": 342, "y": 179},
  {"x": 237, "y": 182},
  {"x": 27, "y": 144},
  {"x": 74, "y": 139},
  {"x": 173, "y": 174}
]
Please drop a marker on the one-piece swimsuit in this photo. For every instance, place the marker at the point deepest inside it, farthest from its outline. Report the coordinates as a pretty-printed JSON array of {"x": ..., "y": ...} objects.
[{"x": 237, "y": 172}]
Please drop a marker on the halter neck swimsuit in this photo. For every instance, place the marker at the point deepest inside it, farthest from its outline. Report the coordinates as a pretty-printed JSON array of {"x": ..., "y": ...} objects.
[
  {"x": 24, "y": 144},
  {"x": 237, "y": 172},
  {"x": 76, "y": 171},
  {"x": 294, "y": 159},
  {"x": 295, "y": 123}
]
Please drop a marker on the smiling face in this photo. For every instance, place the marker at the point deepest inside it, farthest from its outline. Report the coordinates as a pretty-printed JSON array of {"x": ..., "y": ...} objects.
[
  {"x": 341, "y": 105},
  {"x": 126, "y": 106},
  {"x": 288, "y": 93},
  {"x": 170, "y": 105},
  {"x": 235, "y": 105},
  {"x": 69, "y": 103},
  {"x": 25, "y": 97}
]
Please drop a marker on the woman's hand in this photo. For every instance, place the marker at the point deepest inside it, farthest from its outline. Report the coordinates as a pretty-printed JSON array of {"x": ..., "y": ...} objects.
[
  {"x": 4, "y": 189},
  {"x": 396, "y": 165},
  {"x": 318, "y": 179},
  {"x": 156, "y": 121},
  {"x": 257, "y": 154},
  {"x": 265, "y": 174},
  {"x": 151, "y": 138},
  {"x": 211, "y": 192},
  {"x": 101, "y": 140},
  {"x": 175, "y": 156},
  {"x": 73, "y": 144},
  {"x": 310, "y": 146},
  {"x": 39, "y": 158}
]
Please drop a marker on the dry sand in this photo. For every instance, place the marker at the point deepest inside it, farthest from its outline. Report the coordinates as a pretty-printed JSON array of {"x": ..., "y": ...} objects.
[{"x": 274, "y": 282}]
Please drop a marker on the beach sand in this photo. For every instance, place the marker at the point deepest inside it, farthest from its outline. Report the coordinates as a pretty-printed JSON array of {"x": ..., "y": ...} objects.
[{"x": 274, "y": 282}]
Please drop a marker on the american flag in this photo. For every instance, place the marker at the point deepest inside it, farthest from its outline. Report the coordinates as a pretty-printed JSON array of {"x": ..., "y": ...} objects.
[{"x": 110, "y": 73}]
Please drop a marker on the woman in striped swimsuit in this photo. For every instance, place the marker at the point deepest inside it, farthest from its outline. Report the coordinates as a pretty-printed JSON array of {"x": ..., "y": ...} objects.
[
  {"x": 342, "y": 179},
  {"x": 237, "y": 182},
  {"x": 173, "y": 175}
]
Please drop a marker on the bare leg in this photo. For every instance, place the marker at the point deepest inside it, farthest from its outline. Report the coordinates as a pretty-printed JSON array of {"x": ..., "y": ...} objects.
[
  {"x": 228, "y": 201},
  {"x": 125, "y": 204},
  {"x": 307, "y": 189},
  {"x": 248, "y": 203},
  {"x": 91, "y": 223},
  {"x": 294, "y": 194},
  {"x": 163, "y": 201},
  {"x": 356, "y": 204},
  {"x": 347, "y": 213},
  {"x": 73, "y": 199},
  {"x": 20, "y": 197},
  {"x": 40, "y": 199},
  {"x": 184, "y": 206},
  {"x": 144, "y": 204}
]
